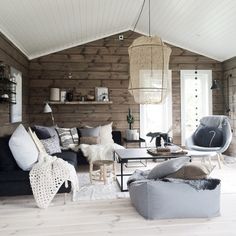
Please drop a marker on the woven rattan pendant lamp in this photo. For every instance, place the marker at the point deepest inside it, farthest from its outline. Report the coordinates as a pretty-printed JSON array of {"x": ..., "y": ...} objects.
[{"x": 149, "y": 69}]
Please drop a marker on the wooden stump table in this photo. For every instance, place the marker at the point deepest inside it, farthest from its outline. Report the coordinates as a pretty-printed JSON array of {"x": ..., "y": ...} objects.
[{"x": 105, "y": 167}]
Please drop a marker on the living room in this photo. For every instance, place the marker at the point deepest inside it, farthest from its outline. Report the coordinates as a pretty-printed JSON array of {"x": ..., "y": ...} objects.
[{"x": 78, "y": 46}]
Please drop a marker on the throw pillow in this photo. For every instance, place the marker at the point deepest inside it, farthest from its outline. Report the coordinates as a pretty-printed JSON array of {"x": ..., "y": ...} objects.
[
  {"x": 192, "y": 171},
  {"x": 23, "y": 148},
  {"x": 208, "y": 137},
  {"x": 89, "y": 140},
  {"x": 37, "y": 142},
  {"x": 167, "y": 167},
  {"x": 88, "y": 132},
  {"x": 68, "y": 136},
  {"x": 45, "y": 129},
  {"x": 41, "y": 132},
  {"x": 51, "y": 145},
  {"x": 106, "y": 134}
]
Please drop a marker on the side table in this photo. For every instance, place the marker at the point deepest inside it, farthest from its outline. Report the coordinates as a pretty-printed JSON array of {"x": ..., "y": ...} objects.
[
  {"x": 139, "y": 142},
  {"x": 105, "y": 166}
]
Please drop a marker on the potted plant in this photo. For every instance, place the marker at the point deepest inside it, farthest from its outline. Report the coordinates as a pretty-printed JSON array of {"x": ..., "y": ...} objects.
[
  {"x": 130, "y": 119},
  {"x": 130, "y": 133}
]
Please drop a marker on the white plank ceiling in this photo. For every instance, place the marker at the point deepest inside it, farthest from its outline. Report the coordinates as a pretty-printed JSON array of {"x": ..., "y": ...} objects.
[{"x": 38, "y": 28}]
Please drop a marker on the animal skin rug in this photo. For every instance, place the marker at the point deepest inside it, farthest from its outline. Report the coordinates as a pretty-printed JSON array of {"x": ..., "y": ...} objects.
[{"x": 98, "y": 151}]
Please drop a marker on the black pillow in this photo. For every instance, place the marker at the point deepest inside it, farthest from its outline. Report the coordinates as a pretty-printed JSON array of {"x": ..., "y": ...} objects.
[
  {"x": 41, "y": 133},
  {"x": 7, "y": 161},
  {"x": 208, "y": 137}
]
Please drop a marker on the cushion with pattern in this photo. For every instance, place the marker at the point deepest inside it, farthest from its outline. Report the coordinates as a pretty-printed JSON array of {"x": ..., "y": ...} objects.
[
  {"x": 208, "y": 137},
  {"x": 51, "y": 145},
  {"x": 68, "y": 137}
]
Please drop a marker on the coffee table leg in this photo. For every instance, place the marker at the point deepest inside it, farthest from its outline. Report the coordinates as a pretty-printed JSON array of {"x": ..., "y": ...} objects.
[{"x": 121, "y": 176}]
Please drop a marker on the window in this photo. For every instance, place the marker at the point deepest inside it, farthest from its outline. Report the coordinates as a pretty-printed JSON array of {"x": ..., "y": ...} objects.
[
  {"x": 156, "y": 118},
  {"x": 196, "y": 99}
]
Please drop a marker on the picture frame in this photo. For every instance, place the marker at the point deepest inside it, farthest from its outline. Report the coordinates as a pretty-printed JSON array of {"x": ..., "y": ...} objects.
[
  {"x": 101, "y": 94},
  {"x": 63, "y": 95}
]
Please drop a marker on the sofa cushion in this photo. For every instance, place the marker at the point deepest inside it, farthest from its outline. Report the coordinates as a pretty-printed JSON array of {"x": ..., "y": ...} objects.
[
  {"x": 89, "y": 140},
  {"x": 69, "y": 156},
  {"x": 46, "y": 129},
  {"x": 7, "y": 161},
  {"x": 192, "y": 171},
  {"x": 167, "y": 167},
  {"x": 94, "y": 132},
  {"x": 68, "y": 136},
  {"x": 23, "y": 148},
  {"x": 37, "y": 142},
  {"x": 41, "y": 132},
  {"x": 106, "y": 134},
  {"x": 208, "y": 137},
  {"x": 14, "y": 176},
  {"x": 51, "y": 145}
]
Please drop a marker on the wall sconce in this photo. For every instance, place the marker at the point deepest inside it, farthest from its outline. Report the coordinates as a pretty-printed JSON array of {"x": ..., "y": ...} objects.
[{"x": 219, "y": 86}]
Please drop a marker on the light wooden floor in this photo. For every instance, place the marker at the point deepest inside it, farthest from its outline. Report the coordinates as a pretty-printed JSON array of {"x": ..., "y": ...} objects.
[{"x": 20, "y": 216}]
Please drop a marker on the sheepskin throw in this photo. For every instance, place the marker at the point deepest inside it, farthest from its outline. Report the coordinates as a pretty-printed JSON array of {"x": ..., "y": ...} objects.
[
  {"x": 98, "y": 151},
  {"x": 48, "y": 175}
]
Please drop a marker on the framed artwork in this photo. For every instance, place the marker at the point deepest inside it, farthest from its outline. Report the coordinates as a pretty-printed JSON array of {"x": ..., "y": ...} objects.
[
  {"x": 16, "y": 109},
  {"x": 63, "y": 95},
  {"x": 101, "y": 94}
]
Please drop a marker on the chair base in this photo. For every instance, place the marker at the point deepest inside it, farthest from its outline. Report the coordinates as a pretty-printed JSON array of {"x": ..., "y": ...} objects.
[{"x": 206, "y": 155}]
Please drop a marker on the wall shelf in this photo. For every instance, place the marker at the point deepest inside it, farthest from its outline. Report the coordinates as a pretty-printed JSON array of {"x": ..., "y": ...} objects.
[{"x": 80, "y": 103}]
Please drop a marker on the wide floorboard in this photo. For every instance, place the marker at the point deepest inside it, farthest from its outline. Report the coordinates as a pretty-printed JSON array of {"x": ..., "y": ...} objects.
[{"x": 20, "y": 216}]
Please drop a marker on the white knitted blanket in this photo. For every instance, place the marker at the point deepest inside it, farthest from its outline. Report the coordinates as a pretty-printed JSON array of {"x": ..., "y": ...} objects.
[{"x": 47, "y": 176}]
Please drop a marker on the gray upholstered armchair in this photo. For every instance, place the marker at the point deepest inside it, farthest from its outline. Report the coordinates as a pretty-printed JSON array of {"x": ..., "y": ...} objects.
[{"x": 213, "y": 135}]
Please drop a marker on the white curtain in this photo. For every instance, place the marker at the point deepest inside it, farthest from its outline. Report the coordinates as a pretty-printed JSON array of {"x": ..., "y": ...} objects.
[{"x": 156, "y": 118}]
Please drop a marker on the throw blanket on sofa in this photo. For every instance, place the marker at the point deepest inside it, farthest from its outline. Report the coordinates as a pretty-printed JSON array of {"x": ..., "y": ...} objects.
[
  {"x": 98, "y": 151},
  {"x": 47, "y": 176}
]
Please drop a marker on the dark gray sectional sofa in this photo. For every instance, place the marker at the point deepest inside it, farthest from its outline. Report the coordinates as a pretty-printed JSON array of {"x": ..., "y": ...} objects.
[{"x": 14, "y": 181}]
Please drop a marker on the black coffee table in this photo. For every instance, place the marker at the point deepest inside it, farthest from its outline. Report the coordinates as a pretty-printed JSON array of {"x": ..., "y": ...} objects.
[{"x": 124, "y": 155}]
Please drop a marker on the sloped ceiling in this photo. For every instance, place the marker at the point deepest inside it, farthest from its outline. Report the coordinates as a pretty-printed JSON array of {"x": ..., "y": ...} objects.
[{"x": 40, "y": 27}]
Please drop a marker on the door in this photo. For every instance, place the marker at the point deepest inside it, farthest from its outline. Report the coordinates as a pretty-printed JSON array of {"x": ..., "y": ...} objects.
[{"x": 196, "y": 99}]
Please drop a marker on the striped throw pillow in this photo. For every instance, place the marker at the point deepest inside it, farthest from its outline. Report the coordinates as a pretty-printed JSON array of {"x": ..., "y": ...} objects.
[{"x": 68, "y": 136}]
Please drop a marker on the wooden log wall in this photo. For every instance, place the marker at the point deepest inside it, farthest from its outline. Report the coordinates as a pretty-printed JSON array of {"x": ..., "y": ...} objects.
[
  {"x": 104, "y": 63},
  {"x": 229, "y": 68},
  {"x": 11, "y": 56}
]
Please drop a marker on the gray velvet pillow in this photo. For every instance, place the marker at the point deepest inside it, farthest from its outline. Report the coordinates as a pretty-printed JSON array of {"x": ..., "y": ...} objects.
[
  {"x": 167, "y": 167},
  {"x": 88, "y": 132},
  {"x": 45, "y": 129}
]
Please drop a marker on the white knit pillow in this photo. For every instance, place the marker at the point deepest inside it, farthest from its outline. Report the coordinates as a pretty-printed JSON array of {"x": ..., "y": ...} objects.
[{"x": 23, "y": 148}]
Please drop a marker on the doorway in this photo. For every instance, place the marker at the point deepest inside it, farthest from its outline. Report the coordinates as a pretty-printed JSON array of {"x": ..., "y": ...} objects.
[{"x": 196, "y": 99}]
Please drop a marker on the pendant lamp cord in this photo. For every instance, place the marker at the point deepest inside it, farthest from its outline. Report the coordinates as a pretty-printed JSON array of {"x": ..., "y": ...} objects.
[
  {"x": 136, "y": 23},
  {"x": 149, "y": 19}
]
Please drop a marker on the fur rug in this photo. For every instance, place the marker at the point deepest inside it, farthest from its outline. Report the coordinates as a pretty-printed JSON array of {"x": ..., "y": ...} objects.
[{"x": 97, "y": 190}]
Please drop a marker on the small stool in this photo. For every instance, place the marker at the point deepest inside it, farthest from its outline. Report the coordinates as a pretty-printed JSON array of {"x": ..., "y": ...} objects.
[{"x": 105, "y": 166}]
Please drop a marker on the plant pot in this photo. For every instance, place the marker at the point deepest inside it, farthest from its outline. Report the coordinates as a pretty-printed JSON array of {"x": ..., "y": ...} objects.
[{"x": 131, "y": 134}]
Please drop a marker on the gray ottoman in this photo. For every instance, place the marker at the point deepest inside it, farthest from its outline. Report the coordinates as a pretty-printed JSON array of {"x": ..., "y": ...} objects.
[{"x": 176, "y": 198}]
